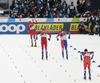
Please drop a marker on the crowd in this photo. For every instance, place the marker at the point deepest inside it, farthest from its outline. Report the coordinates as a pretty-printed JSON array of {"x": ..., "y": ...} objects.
[{"x": 45, "y": 9}]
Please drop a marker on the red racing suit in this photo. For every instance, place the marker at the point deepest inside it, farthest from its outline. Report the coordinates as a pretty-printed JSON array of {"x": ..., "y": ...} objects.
[
  {"x": 31, "y": 29},
  {"x": 43, "y": 34},
  {"x": 87, "y": 59}
]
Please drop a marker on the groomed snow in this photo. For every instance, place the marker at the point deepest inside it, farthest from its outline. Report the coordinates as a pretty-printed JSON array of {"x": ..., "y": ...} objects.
[{"x": 20, "y": 63}]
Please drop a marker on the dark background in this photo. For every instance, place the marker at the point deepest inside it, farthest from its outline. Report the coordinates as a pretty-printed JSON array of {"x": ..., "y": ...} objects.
[{"x": 95, "y": 4}]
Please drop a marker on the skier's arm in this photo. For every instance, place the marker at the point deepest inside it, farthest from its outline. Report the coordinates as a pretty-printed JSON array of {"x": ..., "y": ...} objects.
[
  {"x": 58, "y": 35},
  {"x": 68, "y": 33},
  {"x": 28, "y": 28},
  {"x": 38, "y": 32},
  {"x": 92, "y": 54},
  {"x": 81, "y": 54},
  {"x": 49, "y": 36}
]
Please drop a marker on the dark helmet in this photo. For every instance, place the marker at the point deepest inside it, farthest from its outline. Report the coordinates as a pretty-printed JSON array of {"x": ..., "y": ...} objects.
[{"x": 85, "y": 50}]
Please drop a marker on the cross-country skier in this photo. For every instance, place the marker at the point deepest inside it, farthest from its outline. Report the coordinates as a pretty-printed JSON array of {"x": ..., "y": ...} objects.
[
  {"x": 43, "y": 35},
  {"x": 32, "y": 31},
  {"x": 87, "y": 61},
  {"x": 63, "y": 35}
]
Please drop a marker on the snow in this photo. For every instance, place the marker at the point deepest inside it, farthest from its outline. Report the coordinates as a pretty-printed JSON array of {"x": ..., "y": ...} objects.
[{"x": 20, "y": 63}]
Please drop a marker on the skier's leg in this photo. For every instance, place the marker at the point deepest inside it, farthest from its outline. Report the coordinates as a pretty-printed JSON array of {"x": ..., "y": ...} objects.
[
  {"x": 34, "y": 38},
  {"x": 42, "y": 45},
  {"x": 62, "y": 45},
  {"x": 65, "y": 43},
  {"x": 85, "y": 64},
  {"x": 46, "y": 48},
  {"x": 31, "y": 39},
  {"x": 89, "y": 70}
]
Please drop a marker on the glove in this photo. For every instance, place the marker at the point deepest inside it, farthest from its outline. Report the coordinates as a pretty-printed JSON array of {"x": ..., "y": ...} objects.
[
  {"x": 81, "y": 58},
  {"x": 28, "y": 32},
  {"x": 68, "y": 37},
  {"x": 36, "y": 38},
  {"x": 57, "y": 39},
  {"x": 92, "y": 57},
  {"x": 49, "y": 39}
]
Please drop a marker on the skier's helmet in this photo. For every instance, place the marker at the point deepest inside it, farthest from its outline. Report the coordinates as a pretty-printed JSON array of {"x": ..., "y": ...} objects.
[
  {"x": 43, "y": 29},
  {"x": 85, "y": 50}
]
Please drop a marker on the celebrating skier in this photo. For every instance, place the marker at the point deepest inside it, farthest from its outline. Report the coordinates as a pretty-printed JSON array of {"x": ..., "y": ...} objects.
[
  {"x": 32, "y": 31},
  {"x": 63, "y": 35},
  {"x": 87, "y": 61}
]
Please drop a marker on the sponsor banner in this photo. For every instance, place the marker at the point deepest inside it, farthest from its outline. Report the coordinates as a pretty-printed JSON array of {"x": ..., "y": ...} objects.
[
  {"x": 13, "y": 28},
  {"x": 74, "y": 28},
  {"x": 49, "y": 26},
  {"x": 21, "y": 28},
  {"x": 52, "y": 27},
  {"x": 43, "y": 19},
  {"x": 63, "y": 19},
  {"x": 30, "y": 19},
  {"x": 3, "y": 20}
]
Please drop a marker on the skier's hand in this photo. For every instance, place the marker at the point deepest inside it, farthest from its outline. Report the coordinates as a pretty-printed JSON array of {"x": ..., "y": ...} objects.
[
  {"x": 49, "y": 39},
  {"x": 68, "y": 37},
  {"x": 36, "y": 38},
  {"x": 81, "y": 59},
  {"x": 28, "y": 32},
  {"x": 57, "y": 39},
  {"x": 92, "y": 57}
]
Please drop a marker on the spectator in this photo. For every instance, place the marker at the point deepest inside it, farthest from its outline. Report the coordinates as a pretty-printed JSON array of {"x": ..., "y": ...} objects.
[
  {"x": 88, "y": 21},
  {"x": 64, "y": 6},
  {"x": 64, "y": 15},
  {"x": 51, "y": 2},
  {"x": 93, "y": 21},
  {"x": 81, "y": 6},
  {"x": 72, "y": 10},
  {"x": 81, "y": 27},
  {"x": 68, "y": 12},
  {"x": 88, "y": 8}
]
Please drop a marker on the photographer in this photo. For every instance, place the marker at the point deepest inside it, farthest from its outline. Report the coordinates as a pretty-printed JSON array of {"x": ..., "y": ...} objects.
[
  {"x": 93, "y": 22},
  {"x": 81, "y": 27}
]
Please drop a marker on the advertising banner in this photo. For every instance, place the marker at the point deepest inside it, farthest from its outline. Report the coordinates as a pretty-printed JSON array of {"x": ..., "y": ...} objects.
[
  {"x": 74, "y": 28},
  {"x": 52, "y": 27},
  {"x": 21, "y": 27}
]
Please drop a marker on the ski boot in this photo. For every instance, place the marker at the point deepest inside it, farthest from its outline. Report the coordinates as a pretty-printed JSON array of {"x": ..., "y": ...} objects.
[
  {"x": 35, "y": 45},
  {"x": 46, "y": 56},
  {"x": 66, "y": 56},
  {"x": 62, "y": 54},
  {"x": 85, "y": 75},
  {"x": 90, "y": 74},
  {"x": 89, "y": 77},
  {"x": 42, "y": 56},
  {"x": 32, "y": 45}
]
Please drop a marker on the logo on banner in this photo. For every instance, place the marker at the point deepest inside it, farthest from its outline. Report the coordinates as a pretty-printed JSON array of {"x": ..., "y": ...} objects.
[
  {"x": 49, "y": 26},
  {"x": 12, "y": 28},
  {"x": 74, "y": 27}
]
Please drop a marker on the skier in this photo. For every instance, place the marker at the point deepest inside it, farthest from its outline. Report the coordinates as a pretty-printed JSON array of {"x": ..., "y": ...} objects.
[
  {"x": 87, "y": 61},
  {"x": 43, "y": 34},
  {"x": 32, "y": 31},
  {"x": 63, "y": 35}
]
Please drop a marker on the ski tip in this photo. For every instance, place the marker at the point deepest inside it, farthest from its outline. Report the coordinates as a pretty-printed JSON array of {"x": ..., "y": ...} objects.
[
  {"x": 98, "y": 65},
  {"x": 74, "y": 49},
  {"x": 78, "y": 51},
  {"x": 93, "y": 62},
  {"x": 70, "y": 45}
]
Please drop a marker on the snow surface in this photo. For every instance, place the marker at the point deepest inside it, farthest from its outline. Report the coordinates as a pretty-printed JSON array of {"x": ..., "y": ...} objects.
[{"x": 20, "y": 63}]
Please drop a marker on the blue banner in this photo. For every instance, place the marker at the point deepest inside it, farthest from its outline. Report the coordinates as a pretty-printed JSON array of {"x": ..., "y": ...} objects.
[{"x": 13, "y": 28}]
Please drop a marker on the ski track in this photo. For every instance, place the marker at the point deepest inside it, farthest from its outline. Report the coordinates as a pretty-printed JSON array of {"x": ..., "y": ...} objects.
[{"x": 20, "y": 63}]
